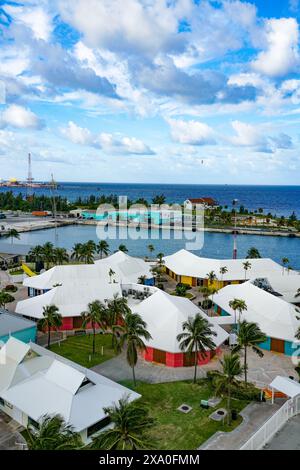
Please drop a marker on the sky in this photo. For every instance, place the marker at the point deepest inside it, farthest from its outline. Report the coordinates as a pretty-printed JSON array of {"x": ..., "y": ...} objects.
[{"x": 151, "y": 91}]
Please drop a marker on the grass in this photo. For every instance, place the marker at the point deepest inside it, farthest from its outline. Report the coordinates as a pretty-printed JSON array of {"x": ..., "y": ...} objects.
[
  {"x": 175, "y": 430},
  {"x": 79, "y": 349}
]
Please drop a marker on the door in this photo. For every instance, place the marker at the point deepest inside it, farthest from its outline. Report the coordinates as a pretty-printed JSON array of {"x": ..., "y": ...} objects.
[
  {"x": 277, "y": 345},
  {"x": 159, "y": 356},
  {"x": 77, "y": 322}
]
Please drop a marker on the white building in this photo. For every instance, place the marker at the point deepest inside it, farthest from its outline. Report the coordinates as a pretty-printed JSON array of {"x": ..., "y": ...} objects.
[{"x": 35, "y": 382}]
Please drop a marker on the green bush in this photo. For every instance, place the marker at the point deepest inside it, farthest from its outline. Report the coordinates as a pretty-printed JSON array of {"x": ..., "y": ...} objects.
[{"x": 11, "y": 288}]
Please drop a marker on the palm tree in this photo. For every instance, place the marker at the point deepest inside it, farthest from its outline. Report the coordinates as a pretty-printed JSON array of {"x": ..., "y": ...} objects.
[
  {"x": 231, "y": 370},
  {"x": 88, "y": 251},
  {"x": 211, "y": 277},
  {"x": 160, "y": 260},
  {"x": 246, "y": 265},
  {"x": 12, "y": 233},
  {"x": 196, "y": 338},
  {"x": 103, "y": 248},
  {"x": 97, "y": 315},
  {"x": 36, "y": 253},
  {"x": 77, "y": 252},
  {"x": 142, "y": 279},
  {"x": 133, "y": 331},
  {"x": 131, "y": 422},
  {"x": 123, "y": 248},
  {"x": 223, "y": 270},
  {"x": 249, "y": 335},
  {"x": 151, "y": 249},
  {"x": 206, "y": 292},
  {"x": 61, "y": 255},
  {"x": 238, "y": 305},
  {"x": 5, "y": 298},
  {"x": 253, "y": 253},
  {"x": 53, "y": 434},
  {"x": 52, "y": 319},
  {"x": 111, "y": 273},
  {"x": 285, "y": 261},
  {"x": 48, "y": 253},
  {"x": 117, "y": 310}
]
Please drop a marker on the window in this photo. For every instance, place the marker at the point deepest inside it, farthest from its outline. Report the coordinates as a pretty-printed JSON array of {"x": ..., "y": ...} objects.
[{"x": 98, "y": 426}]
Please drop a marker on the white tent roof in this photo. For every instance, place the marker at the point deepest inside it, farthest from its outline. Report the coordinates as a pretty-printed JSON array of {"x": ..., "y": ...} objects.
[
  {"x": 287, "y": 286},
  {"x": 275, "y": 317},
  {"x": 71, "y": 299},
  {"x": 185, "y": 263},
  {"x": 126, "y": 268},
  {"x": 164, "y": 315},
  {"x": 289, "y": 387},
  {"x": 53, "y": 385},
  {"x": 11, "y": 355}
]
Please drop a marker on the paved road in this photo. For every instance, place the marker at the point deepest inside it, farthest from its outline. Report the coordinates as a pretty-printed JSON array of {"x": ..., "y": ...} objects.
[{"x": 288, "y": 438}]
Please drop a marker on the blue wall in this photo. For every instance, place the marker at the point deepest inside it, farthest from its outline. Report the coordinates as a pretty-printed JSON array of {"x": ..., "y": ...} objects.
[
  {"x": 27, "y": 335},
  {"x": 266, "y": 345},
  {"x": 289, "y": 350}
]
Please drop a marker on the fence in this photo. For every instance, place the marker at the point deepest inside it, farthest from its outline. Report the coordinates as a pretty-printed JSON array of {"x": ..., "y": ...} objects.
[{"x": 273, "y": 425}]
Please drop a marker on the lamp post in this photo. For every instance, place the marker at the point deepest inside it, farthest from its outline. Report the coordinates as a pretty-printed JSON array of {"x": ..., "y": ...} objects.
[{"x": 234, "y": 202}]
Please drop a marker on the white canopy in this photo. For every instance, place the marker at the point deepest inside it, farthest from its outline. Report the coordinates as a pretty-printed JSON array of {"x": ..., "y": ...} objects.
[
  {"x": 185, "y": 263},
  {"x": 275, "y": 317},
  {"x": 289, "y": 387},
  {"x": 165, "y": 314}
]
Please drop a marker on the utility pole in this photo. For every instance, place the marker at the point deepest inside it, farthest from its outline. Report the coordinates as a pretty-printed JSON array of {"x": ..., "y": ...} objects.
[
  {"x": 30, "y": 179},
  {"x": 234, "y": 202},
  {"x": 53, "y": 196}
]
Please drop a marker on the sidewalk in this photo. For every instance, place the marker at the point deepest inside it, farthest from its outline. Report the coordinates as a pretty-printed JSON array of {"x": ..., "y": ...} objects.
[{"x": 254, "y": 416}]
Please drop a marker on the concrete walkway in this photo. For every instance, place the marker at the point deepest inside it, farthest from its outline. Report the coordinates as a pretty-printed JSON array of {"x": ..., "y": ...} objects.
[
  {"x": 288, "y": 438},
  {"x": 254, "y": 416},
  {"x": 261, "y": 370}
]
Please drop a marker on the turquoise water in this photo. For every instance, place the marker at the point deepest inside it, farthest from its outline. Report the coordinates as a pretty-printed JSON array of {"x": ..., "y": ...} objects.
[{"x": 216, "y": 245}]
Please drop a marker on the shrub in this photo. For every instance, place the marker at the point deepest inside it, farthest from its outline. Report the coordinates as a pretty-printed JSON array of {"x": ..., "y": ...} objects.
[
  {"x": 10, "y": 288},
  {"x": 207, "y": 304},
  {"x": 182, "y": 284}
]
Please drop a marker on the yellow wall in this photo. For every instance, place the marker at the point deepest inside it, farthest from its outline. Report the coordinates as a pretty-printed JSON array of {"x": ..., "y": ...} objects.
[{"x": 187, "y": 280}]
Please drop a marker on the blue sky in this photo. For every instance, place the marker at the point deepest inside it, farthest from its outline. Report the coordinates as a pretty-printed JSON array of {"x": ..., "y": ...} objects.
[{"x": 175, "y": 91}]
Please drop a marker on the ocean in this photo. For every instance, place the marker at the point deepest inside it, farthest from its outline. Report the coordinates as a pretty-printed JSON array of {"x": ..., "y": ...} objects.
[{"x": 279, "y": 200}]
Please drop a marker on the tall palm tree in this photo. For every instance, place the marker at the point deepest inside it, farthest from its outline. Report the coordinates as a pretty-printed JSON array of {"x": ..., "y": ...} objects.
[
  {"x": 249, "y": 335},
  {"x": 77, "y": 252},
  {"x": 97, "y": 315},
  {"x": 123, "y": 248},
  {"x": 61, "y": 255},
  {"x": 103, "y": 248},
  {"x": 253, "y": 253},
  {"x": 12, "y": 234},
  {"x": 206, "y": 292},
  {"x": 285, "y": 261},
  {"x": 132, "y": 332},
  {"x": 223, "y": 270},
  {"x": 36, "y": 253},
  {"x": 117, "y": 310},
  {"x": 48, "y": 253},
  {"x": 5, "y": 298},
  {"x": 246, "y": 265},
  {"x": 231, "y": 370},
  {"x": 88, "y": 251},
  {"x": 211, "y": 277},
  {"x": 131, "y": 423},
  {"x": 53, "y": 434},
  {"x": 52, "y": 319},
  {"x": 160, "y": 260},
  {"x": 196, "y": 338},
  {"x": 238, "y": 305}
]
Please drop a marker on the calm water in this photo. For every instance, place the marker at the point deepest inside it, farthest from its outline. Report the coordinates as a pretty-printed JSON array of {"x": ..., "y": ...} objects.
[
  {"x": 279, "y": 200},
  {"x": 216, "y": 245}
]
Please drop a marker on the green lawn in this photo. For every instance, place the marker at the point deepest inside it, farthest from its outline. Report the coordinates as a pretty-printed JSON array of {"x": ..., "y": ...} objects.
[
  {"x": 175, "y": 430},
  {"x": 79, "y": 349}
]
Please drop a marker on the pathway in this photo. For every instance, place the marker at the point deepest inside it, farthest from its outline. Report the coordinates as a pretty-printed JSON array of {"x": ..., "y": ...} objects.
[{"x": 288, "y": 438}]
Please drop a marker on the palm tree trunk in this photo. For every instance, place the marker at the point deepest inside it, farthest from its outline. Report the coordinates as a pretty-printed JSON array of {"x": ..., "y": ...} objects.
[
  {"x": 229, "y": 405},
  {"x": 94, "y": 338},
  {"x": 245, "y": 364},
  {"x": 49, "y": 335},
  {"x": 195, "y": 370},
  {"x": 133, "y": 375}
]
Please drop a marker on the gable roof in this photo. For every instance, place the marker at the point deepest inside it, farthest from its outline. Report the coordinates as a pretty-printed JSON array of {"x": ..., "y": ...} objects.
[{"x": 165, "y": 314}]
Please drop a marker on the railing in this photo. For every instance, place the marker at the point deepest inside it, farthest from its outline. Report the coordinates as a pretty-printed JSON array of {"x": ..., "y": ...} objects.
[{"x": 273, "y": 425}]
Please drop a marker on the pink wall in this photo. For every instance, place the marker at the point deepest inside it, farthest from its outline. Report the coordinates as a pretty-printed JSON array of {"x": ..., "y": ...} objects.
[{"x": 176, "y": 359}]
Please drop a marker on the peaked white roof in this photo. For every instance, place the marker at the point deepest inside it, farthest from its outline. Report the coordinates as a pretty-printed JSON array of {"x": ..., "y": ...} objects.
[
  {"x": 185, "y": 263},
  {"x": 286, "y": 285},
  {"x": 11, "y": 355},
  {"x": 126, "y": 268},
  {"x": 275, "y": 317},
  {"x": 50, "y": 384},
  {"x": 285, "y": 385},
  {"x": 70, "y": 299},
  {"x": 164, "y": 315}
]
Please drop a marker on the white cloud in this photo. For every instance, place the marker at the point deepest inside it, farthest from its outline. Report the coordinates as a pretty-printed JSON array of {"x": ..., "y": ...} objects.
[
  {"x": 37, "y": 19},
  {"x": 109, "y": 143},
  {"x": 282, "y": 53},
  {"x": 248, "y": 135},
  {"x": 20, "y": 117},
  {"x": 191, "y": 132}
]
